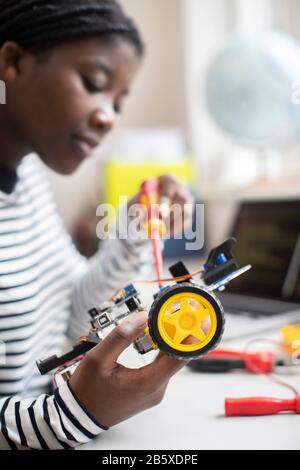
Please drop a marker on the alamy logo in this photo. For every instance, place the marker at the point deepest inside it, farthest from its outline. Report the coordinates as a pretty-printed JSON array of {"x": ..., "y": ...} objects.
[{"x": 2, "y": 92}]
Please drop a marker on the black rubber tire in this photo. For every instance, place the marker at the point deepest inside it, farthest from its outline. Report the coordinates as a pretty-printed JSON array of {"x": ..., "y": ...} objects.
[{"x": 162, "y": 298}]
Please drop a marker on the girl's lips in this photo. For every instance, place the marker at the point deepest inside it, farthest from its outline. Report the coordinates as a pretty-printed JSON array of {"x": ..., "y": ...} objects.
[{"x": 84, "y": 147}]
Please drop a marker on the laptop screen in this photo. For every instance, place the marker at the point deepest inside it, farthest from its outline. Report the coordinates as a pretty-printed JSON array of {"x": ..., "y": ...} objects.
[{"x": 268, "y": 236}]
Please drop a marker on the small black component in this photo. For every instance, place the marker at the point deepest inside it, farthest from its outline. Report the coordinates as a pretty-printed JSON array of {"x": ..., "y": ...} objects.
[
  {"x": 133, "y": 304},
  {"x": 54, "y": 362},
  {"x": 93, "y": 312},
  {"x": 179, "y": 269},
  {"x": 156, "y": 295},
  {"x": 220, "y": 263}
]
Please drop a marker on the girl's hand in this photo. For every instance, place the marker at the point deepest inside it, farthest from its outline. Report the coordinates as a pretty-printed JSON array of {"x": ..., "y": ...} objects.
[
  {"x": 176, "y": 204},
  {"x": 110, "y": 392}
]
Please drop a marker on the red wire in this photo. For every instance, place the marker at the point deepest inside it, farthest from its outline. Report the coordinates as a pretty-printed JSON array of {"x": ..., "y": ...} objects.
[
  {"x": 272, "y": 377},
  {"x": 158, "y": 260}
]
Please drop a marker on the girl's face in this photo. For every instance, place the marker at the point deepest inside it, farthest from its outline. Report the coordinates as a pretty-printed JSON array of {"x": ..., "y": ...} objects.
[{"x": 64, "y": 102}]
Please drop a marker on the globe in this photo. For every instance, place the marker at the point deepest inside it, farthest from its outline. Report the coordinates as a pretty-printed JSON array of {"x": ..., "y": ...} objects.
[{"x": 250, "y": 89}]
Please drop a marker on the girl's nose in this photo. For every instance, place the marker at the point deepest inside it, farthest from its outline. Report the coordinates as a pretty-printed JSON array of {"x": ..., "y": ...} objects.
[{"x": 103, "y": 119}]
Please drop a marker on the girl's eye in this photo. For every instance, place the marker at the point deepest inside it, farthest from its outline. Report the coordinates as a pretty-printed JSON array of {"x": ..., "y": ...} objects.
[
  {"x": 118, "y": 109},
  {"x": 90, "y": 86}
]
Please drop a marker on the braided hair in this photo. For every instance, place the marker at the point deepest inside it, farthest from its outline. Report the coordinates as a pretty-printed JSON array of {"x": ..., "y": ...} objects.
[{"x": 42, "y": 24}]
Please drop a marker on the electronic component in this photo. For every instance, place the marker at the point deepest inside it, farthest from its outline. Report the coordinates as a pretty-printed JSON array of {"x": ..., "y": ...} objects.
[
  {"x": 220, "y": 263},
  {"x": 186, "y": 320},
  {"x": 291, "y": 339}
]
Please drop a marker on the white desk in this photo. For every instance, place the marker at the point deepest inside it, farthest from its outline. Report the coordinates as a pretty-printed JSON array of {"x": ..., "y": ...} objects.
[{"x": 192, "y": 417}]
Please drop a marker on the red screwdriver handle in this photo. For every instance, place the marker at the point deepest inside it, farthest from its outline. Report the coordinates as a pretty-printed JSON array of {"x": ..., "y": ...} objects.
[
  {"x": 155, "y": 226},
  {"x": 150, "y": 185},
  {"x": 149, "y": 196},
  {"x": 260, "y": 406}
]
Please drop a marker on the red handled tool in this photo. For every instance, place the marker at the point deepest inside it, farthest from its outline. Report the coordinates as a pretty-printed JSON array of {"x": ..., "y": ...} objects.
[
  {"x": 155, "y": 226},
  {"x": 222, "y": 360},
  {"x": 260, "y": 406}
]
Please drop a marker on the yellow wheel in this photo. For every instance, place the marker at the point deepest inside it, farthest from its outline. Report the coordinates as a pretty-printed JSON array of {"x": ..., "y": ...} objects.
[{"x": 186, "y": 321}]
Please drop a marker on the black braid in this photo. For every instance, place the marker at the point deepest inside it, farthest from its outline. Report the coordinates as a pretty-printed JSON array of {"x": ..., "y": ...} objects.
[{"x": 41, "y": 24}]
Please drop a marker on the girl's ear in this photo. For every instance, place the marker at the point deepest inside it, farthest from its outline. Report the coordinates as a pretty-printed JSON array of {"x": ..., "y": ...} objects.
[{"x": 11, "y": 60}]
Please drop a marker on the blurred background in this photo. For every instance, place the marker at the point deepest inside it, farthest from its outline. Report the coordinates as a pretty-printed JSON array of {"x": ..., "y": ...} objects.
[{"x": 216, "y": 103}]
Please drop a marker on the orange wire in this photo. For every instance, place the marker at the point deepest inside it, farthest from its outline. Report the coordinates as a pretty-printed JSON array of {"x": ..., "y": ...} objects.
[
  {"x": 155, "y": 281},
  {"x": 82, "y": 339}
]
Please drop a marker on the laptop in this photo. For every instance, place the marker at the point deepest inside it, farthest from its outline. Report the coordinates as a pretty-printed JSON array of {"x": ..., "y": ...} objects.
[{"x": 268, "y": 296}]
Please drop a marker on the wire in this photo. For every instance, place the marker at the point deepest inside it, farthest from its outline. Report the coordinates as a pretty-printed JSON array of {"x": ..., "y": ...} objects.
[
  {"x": 157, "y": 254},
  {"x": 272, "y": 377},
  {"x": 155, "y": 281},
  {"x": 83, "y": 339}
]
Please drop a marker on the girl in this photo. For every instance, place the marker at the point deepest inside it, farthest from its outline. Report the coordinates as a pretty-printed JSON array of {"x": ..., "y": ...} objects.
[{"x": 67, "y": 66}]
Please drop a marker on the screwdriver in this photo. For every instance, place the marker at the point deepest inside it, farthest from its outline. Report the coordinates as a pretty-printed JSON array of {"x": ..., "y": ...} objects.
[
  {"x": 260, "y": 406},
  {"x": 155, "y": 226}
]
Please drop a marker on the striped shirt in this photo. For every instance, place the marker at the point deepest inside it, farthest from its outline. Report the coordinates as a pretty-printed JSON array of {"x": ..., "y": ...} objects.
[{"x": 46, "y": 290}]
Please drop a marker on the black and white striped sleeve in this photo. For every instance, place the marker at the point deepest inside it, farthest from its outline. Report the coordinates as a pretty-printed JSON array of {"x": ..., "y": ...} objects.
[{"x": 55, "y": 422}]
